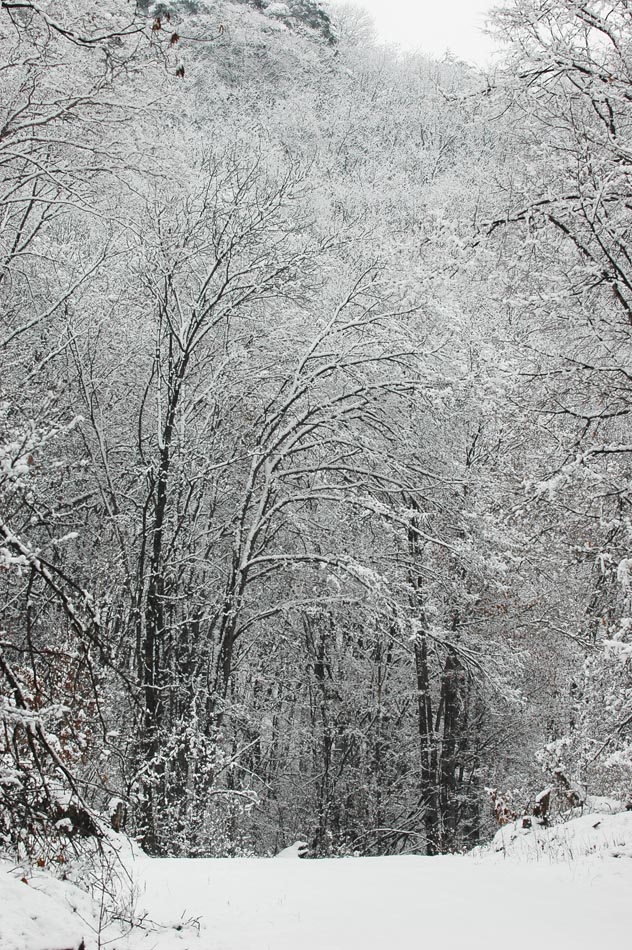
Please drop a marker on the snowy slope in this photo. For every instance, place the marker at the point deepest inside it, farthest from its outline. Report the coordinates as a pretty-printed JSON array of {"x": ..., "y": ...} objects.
[
  {"x": 572, "y": 892},
  {"x": 597, "y": 835},
  {"x": 30, "y": 920}
]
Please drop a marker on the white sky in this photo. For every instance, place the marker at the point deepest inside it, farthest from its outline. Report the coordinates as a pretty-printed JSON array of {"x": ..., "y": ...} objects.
[{"x": 434, "y": 26}]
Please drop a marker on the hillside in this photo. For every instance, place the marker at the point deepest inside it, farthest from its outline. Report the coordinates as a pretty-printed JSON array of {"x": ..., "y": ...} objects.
[{"x": 314, "y": 431}]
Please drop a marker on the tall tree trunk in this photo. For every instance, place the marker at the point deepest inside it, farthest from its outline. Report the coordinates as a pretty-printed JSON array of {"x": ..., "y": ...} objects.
[
  {"x": 428, "y": 752},
  {"x": 153, "y": 633}
]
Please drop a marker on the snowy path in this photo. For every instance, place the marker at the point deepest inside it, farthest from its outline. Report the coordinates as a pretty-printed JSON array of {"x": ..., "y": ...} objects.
[{"x": 371, "y": 903}]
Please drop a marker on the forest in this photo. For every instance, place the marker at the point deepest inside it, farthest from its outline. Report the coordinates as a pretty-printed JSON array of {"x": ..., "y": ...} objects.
[{"x": 315, "y": 370}]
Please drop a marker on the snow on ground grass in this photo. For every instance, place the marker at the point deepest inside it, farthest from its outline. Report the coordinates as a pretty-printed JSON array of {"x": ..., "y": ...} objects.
[
  {"x": 572, "y": 891},
  {"x": 375, "y": 903}
]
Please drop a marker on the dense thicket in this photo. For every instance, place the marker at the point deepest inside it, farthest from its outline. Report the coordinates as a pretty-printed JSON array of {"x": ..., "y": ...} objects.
[{"x": 313, "y": 454}]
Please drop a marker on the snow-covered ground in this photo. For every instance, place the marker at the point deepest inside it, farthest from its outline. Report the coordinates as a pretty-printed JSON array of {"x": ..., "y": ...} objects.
[{"x": 573, "y": 892}]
